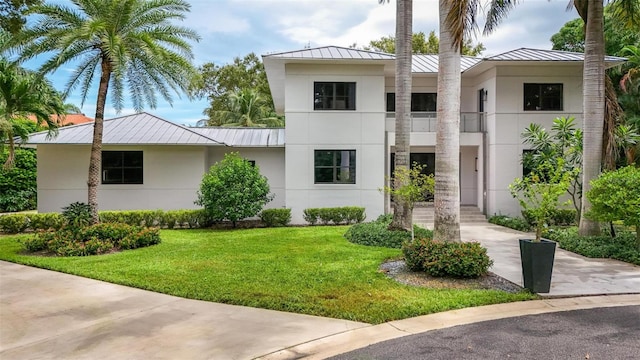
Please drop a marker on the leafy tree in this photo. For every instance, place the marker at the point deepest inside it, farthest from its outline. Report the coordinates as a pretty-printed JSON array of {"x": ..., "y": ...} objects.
[
  {"x": 219, "y": 83},
  {"x": 24, "y": 93},
  {"x": 13, "y": 12},
  {"x": 124, "y": 43},
  {"x": 422, "y": 44},
  {"x": 245, "y": 108},
  {"x": 233, "y": 190},
  {"x": 615, "y": 195},
  {"x": 18, "y": 184},
  {"x": 563, "y": 144}
]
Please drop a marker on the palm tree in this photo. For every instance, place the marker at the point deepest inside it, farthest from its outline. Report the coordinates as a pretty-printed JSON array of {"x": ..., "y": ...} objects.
[
  {"x": 248, "y": 109},
  {"x": 23, "y": 94},
  {"x": 133, "y": 43}
]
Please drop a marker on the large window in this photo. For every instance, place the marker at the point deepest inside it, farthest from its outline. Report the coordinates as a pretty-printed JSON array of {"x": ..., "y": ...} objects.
[
  {"x": 334, "y": 96},
  {"x": 334, "y": 166},
  {"x": 425, "y": 102},
  {"x": 541, "y": 97},
  {"x": 122, "y": 167}
]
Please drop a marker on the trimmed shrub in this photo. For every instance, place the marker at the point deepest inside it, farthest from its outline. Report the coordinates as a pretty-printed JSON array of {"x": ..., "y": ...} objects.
[
  {"x": 334, "y": 215},
  {"x": 459, "y": 260},
  {"x": 92, "y": 240},
  {"x": 45, "y": 221},
  {"x": 14, "y": 223},
  {"x": 559, "y": 217},
  {"x": 623, "y": 247},
  {"x": 276, "y": 217},
  {"x": 515, "y": 223},
  {"x": 377, "y": 233}
]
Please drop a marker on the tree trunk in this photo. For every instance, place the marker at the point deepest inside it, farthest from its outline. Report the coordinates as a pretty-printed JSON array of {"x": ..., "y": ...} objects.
[
  {"x": 593, "y": 107},
  {"x": 11, "y": 157},
  {"x": 95, "y": 161},
  {"x": 447, "y": 174},
  {"x": 402, "y": 215}
]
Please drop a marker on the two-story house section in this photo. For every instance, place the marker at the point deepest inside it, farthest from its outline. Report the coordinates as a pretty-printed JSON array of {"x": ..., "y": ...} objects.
[{"x": 339, "y": 108}]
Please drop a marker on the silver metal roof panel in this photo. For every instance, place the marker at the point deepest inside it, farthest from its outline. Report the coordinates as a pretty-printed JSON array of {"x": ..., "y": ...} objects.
[
  {"x": 332, "y": 53},
  {"x": 245, "y": 137},
  {"x": 526, "y": 54},
  {"x": 428, "y": 64},
  {"x": 141, "y": 128}
]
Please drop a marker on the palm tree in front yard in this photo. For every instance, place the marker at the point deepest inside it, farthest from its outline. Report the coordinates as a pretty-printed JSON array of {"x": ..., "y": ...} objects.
[
  {"x": 123, "y": 43},
  {"x": 24, "y": 94}
]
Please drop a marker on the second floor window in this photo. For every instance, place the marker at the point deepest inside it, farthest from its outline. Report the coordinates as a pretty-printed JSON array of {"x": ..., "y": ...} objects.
[
  {"x": 542, "y": 97},
  {"x": 420, "y": 102},
  {"x": 334, "y": 96}
]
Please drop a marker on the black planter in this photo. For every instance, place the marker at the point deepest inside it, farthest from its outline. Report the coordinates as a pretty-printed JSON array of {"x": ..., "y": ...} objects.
[{"x": 537, "y": 264}]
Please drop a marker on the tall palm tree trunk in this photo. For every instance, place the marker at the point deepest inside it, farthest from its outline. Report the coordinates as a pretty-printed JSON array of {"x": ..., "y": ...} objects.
[
  {"x": 402, "y": 215},
  {"x": 593, "y": 107},
  {"x": 95, "y": 161},
  {"x": 447, "y": 187}
]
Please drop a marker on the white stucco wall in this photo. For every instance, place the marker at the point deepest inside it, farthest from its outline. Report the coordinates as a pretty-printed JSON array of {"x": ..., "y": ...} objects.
[
  {"x": 171, "y": 176},
  {"x": 509, "y": 121},
  {"x": 271, "y": 164},
  {"x": 361, "y": 130}
]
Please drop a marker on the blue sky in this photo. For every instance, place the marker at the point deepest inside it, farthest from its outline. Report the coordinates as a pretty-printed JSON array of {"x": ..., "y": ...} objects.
[{"x": 234, "y": 28}]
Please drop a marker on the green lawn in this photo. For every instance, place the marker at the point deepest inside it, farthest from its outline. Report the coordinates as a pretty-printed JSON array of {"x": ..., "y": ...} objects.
[{"x": 308, "y": 270}]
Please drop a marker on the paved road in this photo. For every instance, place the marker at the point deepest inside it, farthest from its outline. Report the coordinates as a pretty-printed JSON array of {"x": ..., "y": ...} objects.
[{"x": 601, "y": 333}]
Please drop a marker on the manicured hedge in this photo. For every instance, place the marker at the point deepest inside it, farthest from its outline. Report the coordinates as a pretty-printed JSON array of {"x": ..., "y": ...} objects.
[
  {"x": 377, "y": 233},
  {"x": 460, "y": 260},
  {"x": 275, "y": 217},
  {"x": 334, "y": 215}
]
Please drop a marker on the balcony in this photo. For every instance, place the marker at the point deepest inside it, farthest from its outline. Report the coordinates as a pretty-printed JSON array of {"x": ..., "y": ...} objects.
[{"x": 470, "y": 122}]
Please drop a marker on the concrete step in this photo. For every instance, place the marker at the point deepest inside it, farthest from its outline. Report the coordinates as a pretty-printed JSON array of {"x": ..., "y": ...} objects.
[{"x": 423, "y": 214}]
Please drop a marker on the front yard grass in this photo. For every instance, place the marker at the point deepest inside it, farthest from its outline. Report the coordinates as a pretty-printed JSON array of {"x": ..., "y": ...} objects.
[{"x": 307, "y": 270}]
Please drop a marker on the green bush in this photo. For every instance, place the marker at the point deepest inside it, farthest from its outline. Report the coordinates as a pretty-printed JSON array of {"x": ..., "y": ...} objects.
[
  {"x": 558, "y": 217},
  {"x": 18, "y": 184},
  {"x": 14, "y": 223},
  {"x": 233, "y": 190},
  {"x": 276, "y": 217},
  {"x": 515, "y": 223},
  {"x": 92, "y": 240},
  {"x": 77, "y": 214},
  {"x": 334, "y": 215},
  {"x": 377, "y": 233},
  {"x": 460, "y": 260},
  {"x": 45, "y": 221},
  {"x": 622, "y": 247}
]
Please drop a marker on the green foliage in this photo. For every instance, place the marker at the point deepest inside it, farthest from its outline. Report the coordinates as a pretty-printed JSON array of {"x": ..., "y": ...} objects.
[
  {"x": 539, "y": 192},
  {"x": 421, "y": 44},
  {"x": 615, "y": 195},
  {"x": 411, "y": 185},
  {"x": 623, "y": 247},
  {"x": 558, "y": 217},
  {"x": 18, "y": 184},
  {"x": 460, "y": 260},
  {"x": 336, "y": 215},
  {"x": 13, "y": 14},
  {"x": 515, "y": 223},
  {"x": 245, "y": 108},
  {"x": 377, "y": 233},
  {"x": 14, "y": 223},
  {"x": 92, "y": 240},
  {"x": 220, "y": 83},
  {"x": 275, "y": 217},
  {"x": 158, "y": 218},
  {"x": 77, "y": 214},
  {"x": 233, "y": 190},
  {"x": 45, "y": 221}
]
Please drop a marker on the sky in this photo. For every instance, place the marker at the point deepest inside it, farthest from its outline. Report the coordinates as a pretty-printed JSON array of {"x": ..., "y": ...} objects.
[{"x": 234, "y": 28}]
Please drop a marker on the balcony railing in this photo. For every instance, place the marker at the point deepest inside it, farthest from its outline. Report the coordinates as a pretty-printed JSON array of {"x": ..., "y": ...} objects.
[{"x": 426, "y": 122}]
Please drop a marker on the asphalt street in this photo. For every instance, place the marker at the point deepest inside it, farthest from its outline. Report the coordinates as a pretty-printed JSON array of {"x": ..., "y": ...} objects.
[{"x": 600, "y": 333}]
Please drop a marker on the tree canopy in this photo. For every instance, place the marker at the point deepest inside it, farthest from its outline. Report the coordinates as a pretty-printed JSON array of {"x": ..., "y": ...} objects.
[
  {"x": 218, "y": 83},
  {"x": 13, "y": 12},
  {"x": 422, "y": 44}
]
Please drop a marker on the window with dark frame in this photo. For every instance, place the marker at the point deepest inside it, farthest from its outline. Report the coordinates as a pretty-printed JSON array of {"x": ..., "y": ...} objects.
[
  {"x": 420, "y": 102},
  {"x": 122, "y": 167},
  {"x": 334, "y": 166},
  {"x": 543, "y": 97},
  {"x": 334, "y": 95}
]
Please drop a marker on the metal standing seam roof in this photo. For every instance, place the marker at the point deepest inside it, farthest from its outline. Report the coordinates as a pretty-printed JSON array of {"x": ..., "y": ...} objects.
[
  {"x": 429, "y": 63},
  {"x": 526, "y": 54},
  {"x": 333, "y": 53},
  {"x": 142, "y": 128},
  {"x": 245, "y": 137}
]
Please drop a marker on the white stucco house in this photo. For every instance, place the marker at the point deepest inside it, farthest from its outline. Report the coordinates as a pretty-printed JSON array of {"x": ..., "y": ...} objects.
[{"x": 338, "y": 144}]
